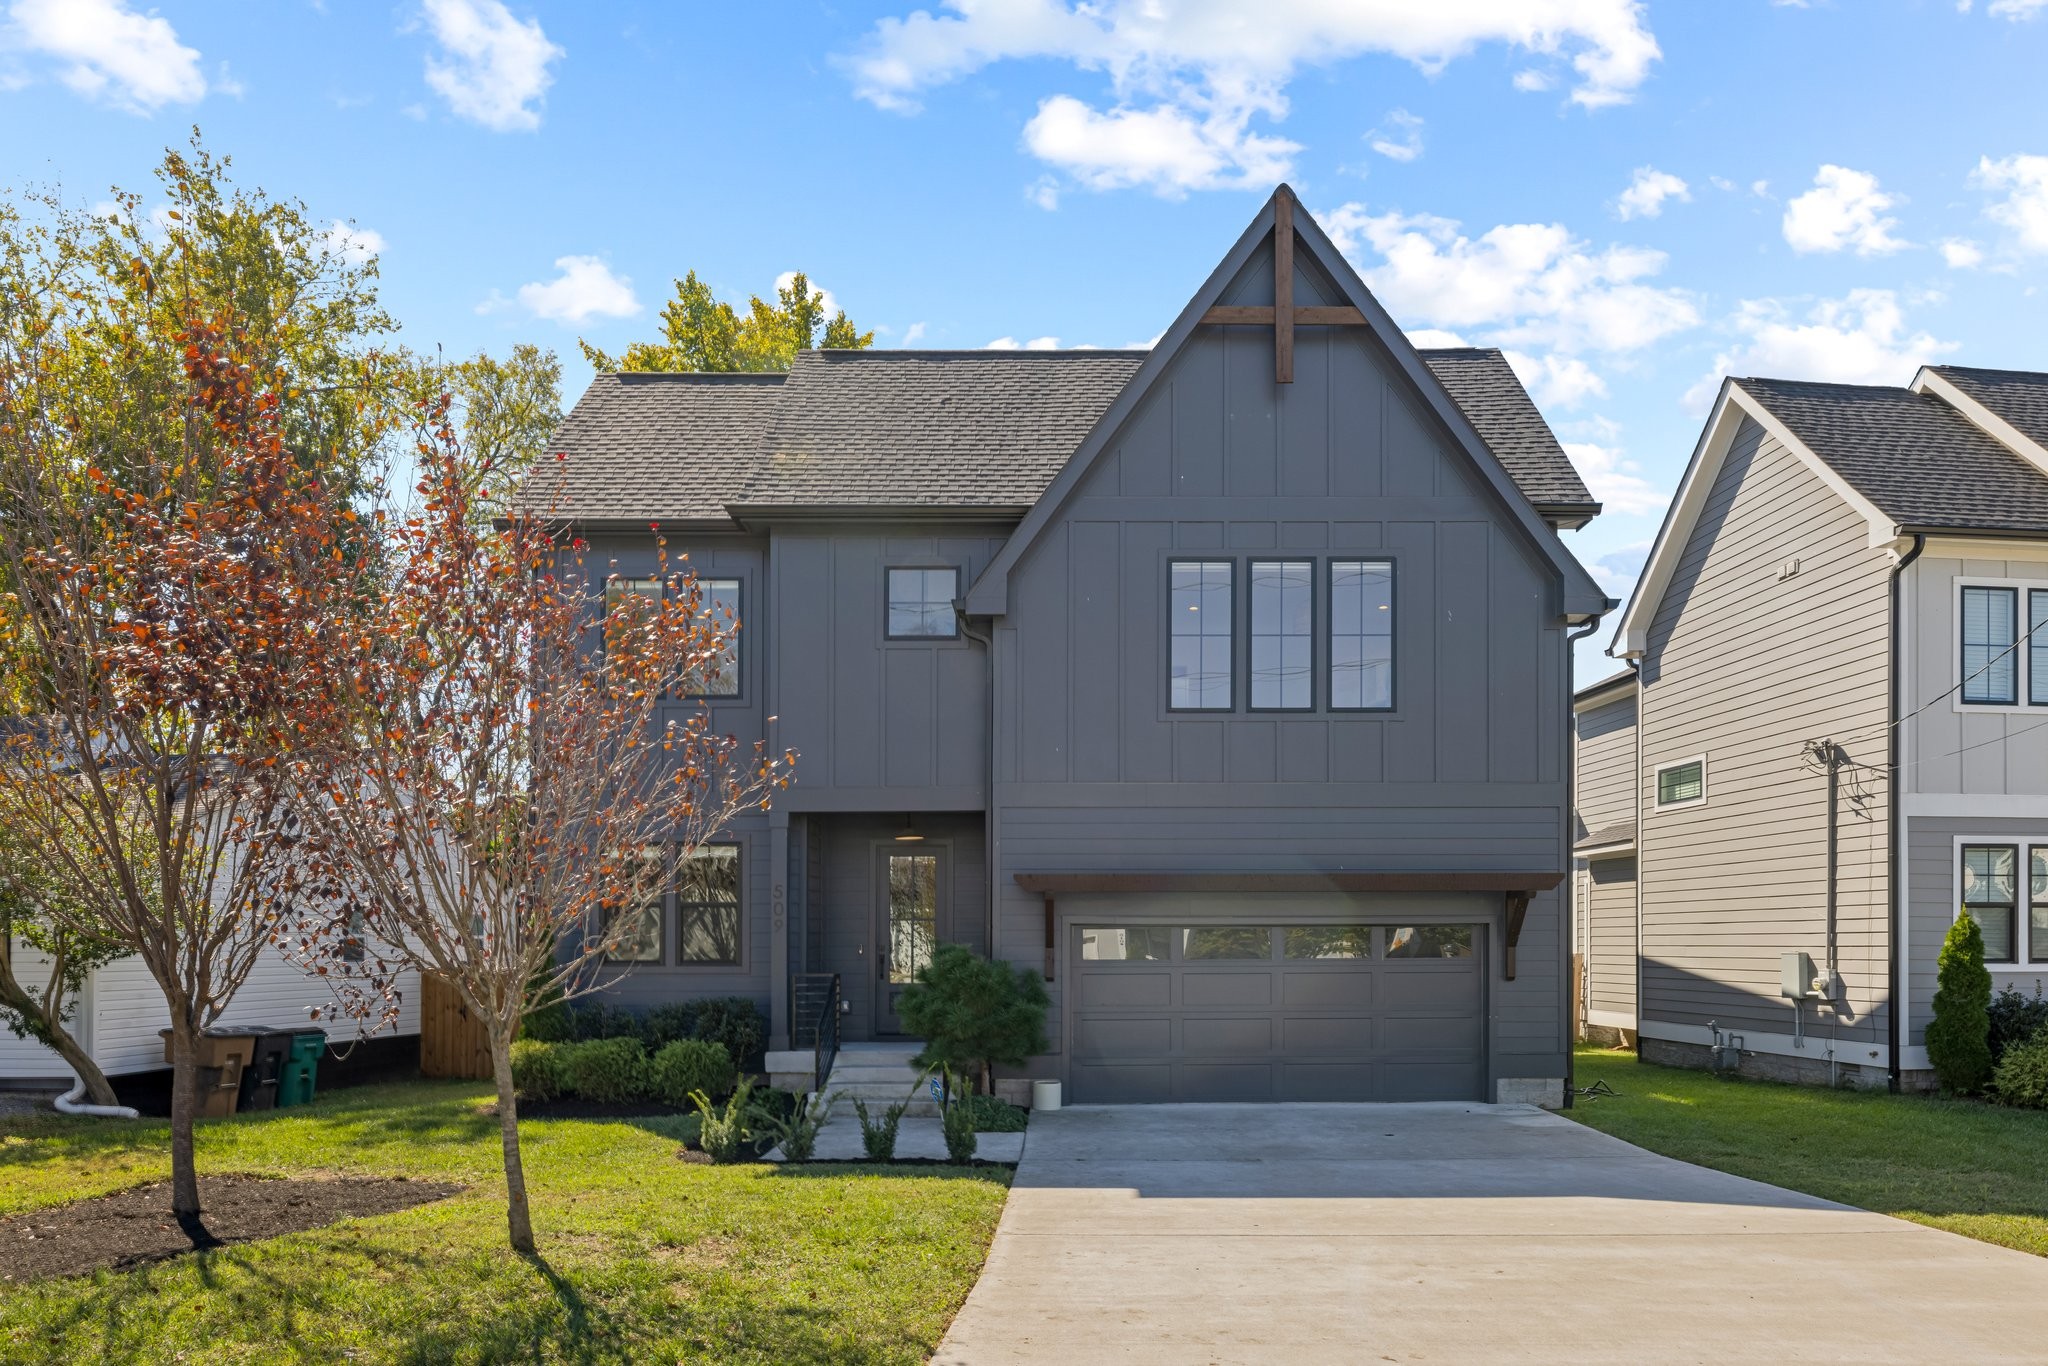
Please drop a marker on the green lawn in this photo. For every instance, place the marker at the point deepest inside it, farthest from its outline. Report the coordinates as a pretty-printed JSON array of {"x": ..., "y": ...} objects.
[
  {"x": 1963, "y": 1166},
  {"x": 643, "y": 1257}
]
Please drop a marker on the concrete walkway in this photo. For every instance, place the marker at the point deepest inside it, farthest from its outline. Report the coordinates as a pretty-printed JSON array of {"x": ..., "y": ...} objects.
[{"x": 1454, "y": 1233}]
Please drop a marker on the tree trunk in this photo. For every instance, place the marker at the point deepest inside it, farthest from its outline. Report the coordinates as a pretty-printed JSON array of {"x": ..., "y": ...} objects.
[
  {"x": 184, "y": 1109},
  {"x": 47, "y": 1027},
  {"x": 519, "y": 1221}
]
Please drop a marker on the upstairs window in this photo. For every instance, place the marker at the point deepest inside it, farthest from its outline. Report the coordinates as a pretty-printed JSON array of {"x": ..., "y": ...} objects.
[
  {"x": 718, "y": 604},
  {"x": 921, "y": 604},
  {"x": 2037, "y": 647},
  {"x": 1361, "y": 635},
  {"x": 1682, "y": 784},
  {"x": 1202, "y": 600},
  {"x": 1990, "y": 617},
  {"x": 1283, "y": 635}
]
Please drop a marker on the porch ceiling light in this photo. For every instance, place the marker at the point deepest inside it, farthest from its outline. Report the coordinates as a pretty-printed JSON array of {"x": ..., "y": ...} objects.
[{"x": 908, "y": 834}]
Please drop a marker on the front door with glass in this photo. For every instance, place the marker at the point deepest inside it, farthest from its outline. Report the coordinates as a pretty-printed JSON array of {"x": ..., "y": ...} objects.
[{"x": 909, "y": 897}]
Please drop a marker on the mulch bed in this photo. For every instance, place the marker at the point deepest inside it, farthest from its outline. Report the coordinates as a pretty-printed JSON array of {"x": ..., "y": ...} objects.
[{"x": 133, "y": 1227}]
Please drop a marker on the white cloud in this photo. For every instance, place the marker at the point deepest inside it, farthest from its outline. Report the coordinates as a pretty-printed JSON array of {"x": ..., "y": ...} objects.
[
  {"x": 1760, "y": 188},
  {"x": 1618, "y": 570},
  {"x": 830, "y": 303},
  {"x": 1166, "y": 149},
  {"x": 1861, "y": 338},
  {"x": 1400, "y": 139},
  {"x": 1429, "y": 338},
  {"x": 1524, "y": 284},
  {"x": 2023, "y": 180},
  {"x": 585, "y": 289},
  {"x": 1647, "y": 191},
  {"x": 1035, "y": 344},
  {"x": 1044, "y": 192},
  {"x": 913, "y": 334},
  {"x": 1532, "y": 80},
  {"x": 1844, "y": 209},
  {"x": 106, "y": 51},
  {"x": 1188, "y": 78},
  {"x": 1960, "y": 253},
  {"x": 491, "y": 68},
  {"x": 1557, "y": 381},
  {"x": 2016, "y": 9},
  {"x": 1615, "y": 480},
  {"x": 353, "y": 244}
]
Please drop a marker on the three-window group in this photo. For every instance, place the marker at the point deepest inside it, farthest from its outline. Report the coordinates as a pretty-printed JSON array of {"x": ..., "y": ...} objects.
[{"x": 1317, "y": 632}]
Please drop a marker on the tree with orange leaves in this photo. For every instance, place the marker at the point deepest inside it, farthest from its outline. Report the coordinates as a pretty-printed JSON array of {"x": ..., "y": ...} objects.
[{"x": 495, "y": 783}]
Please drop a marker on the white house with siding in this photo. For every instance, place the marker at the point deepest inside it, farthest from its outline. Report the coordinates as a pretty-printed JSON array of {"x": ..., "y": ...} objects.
[{"x": 1838, "y": 712}]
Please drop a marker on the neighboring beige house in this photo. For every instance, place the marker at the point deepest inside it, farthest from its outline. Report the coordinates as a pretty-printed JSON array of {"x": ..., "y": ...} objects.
[
  {"x": 1604, "y": 855},
  {"x": 1847, "y": 587}
]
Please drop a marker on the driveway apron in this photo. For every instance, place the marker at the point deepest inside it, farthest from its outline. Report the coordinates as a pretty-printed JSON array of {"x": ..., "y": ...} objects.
[{"x": 1454, "y": 1233}]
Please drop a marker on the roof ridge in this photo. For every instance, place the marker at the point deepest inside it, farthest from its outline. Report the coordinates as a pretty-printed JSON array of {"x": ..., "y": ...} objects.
[
  {"x": 2041, "y": 375},
  {"x": 991, "y": 353},
  {"x": 712, "y": 376}
]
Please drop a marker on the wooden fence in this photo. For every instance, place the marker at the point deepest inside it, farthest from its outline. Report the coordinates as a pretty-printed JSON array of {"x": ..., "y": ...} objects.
[{"x": 452, "y": 1042}]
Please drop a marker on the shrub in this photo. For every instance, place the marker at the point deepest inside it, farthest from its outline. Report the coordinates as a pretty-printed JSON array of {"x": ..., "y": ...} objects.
[
  {"x": 2014, "y": 1020},
  {"x": 878, "y": 1136},
  {"x": 1959, "y": 1035},
  {"x": 536, "y": 1069},
  {"x": 735, "y": 1022},
  {"x": 797, "y": 1133},
  {"x": 724, "y": 1133},
  {"x": 667, "y": 1024},
  {"x": 993, "y": 1116},
  {"x": 958, "y": 1126},
  {"x": 612, "y": 1071},
  {"x": 551, "y": 1023},
  {"x": 690, "y": 1065},
  {"x": 2021, "y": 1077},
  {"x": 973, "y": 1013}
]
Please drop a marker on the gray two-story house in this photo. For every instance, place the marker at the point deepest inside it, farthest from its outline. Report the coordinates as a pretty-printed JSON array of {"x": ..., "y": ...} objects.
[
  {"x": 1833, "y": 740},
  {"x": 1227, "y": 684}
]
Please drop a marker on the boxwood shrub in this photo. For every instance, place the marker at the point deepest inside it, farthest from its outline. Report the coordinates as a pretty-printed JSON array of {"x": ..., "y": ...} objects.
[
  {"x": 611, "y": 1071},
  {"x": 536, "y": 1069},
  {"x": 690, "y": 1065},
  {"x": 2021, "y": 1077}
]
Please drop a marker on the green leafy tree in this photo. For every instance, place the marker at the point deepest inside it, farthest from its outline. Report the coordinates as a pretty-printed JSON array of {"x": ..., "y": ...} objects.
[
  {"x": 699, "y": 331},
  {"x": 505, "y": 410},
  {"x": 66, "y": 940},
  {"x": 973, "y": 1012},
  {"x": 1959, "y": 1035}
]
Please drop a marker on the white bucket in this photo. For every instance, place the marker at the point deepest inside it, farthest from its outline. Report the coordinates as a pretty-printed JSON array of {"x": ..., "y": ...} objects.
[{"x": 1045, "y": 1095}]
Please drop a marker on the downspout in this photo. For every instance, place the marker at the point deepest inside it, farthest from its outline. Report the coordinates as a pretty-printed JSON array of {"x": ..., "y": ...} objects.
[
  {"x": 1896, "y": 965},
  {"x": 1569, "y": 912},
  {"x": 986, "y": 640}
]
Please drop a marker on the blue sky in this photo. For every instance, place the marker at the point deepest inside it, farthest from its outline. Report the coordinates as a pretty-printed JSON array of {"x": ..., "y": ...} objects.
[{"x": 1632, "y": 198}]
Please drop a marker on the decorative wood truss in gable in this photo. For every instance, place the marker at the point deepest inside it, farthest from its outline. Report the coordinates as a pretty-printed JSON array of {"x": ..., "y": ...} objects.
[{"x": 1284, "y": 315}]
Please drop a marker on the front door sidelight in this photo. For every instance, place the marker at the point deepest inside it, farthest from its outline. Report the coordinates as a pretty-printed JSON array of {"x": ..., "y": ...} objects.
[{"x": 908, "y": 892}]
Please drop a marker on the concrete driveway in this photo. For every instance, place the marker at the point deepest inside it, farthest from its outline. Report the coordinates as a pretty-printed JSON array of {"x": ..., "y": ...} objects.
[{"x": 1454, "y": 1233}]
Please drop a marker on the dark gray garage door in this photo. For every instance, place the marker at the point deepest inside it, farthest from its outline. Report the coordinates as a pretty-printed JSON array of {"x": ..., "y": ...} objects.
[{"x": 1218, "y": 1012}]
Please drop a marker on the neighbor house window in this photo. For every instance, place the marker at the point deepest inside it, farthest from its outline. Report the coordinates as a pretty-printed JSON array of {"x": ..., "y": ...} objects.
[
  {"x": 1682, "y": 784},
  {"x": 1361, "y": 635},
  {"x": 718, "y": 604},
  {"x": 1990, "y": 645},
  {"x": 921, "y": 604},
  {"x": 1201, "y": 601},
  {"x": 1283, "y": 635},
  {"x": 2037, "y": 905},
  {"x": 2037, "y": 647},
  {"x": 708, "y": 907},
  {"x": 1990, "y": 890}
]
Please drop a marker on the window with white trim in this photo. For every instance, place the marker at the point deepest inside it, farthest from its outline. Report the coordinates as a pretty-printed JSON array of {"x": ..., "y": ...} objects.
[
  {"x": 1682, "y": 784},
  {"x": 1989, "y": 622},
  {"x": 1990, "y": 896}
]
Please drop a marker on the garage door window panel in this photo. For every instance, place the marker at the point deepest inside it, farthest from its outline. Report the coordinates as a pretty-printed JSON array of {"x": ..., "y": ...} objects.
[
  {"x": 1429, "y": 941},
  {"x": 1226, "y": 943},
  {"x": 1126, "y": 944},
  {"x": 1327, "y": 941}
]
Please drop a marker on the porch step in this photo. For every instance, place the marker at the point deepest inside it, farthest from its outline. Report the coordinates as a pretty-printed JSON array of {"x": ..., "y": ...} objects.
[
  {"x": 881, "y": 1075},
  {"x": 860, "y": 1072}
]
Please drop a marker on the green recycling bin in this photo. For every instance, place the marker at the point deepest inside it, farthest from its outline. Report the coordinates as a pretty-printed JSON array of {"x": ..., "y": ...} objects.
[{"x": 296, "y": 1076}]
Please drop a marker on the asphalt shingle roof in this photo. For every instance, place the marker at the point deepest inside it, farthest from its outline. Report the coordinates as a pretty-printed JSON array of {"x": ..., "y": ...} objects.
[
  {"x": 1621, "y": 832},
  {"x": 1922, "y": 463},
  {"x": 655, "y": 446},
  {"x": 966, "y": 429},
  {"x": 1481, "y": 382},
  {"x": 2018, "y": 396},
  {"x": 938, "y": 428}
]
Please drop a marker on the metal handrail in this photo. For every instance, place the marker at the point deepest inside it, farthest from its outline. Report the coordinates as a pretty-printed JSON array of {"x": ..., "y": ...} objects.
[{"x": 823, "y": 1025}]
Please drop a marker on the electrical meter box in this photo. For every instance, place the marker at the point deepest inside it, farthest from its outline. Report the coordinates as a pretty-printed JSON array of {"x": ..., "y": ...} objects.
[{"x": 1795, "y": 975}]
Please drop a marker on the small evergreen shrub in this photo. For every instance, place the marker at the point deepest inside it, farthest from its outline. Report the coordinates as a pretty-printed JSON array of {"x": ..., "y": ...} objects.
[
  {"x": 2015, "y": 1019},
  {"x": 667, "y": 1024},
  {"x": 993, "y": 1116},
  {"x": 725, "y": 1131},
  {"x": 958, "y": 1125},
  {"x": 1959, "y": 1035},
  {"x": 878, "y": 1136},
  {"x": 735, "y": 1022},
  {"x": 797, "y": 1133},
  {"x": 536, "y": 1069},
  {"x": 2021, "y": 1077},
  {"x": 610, "y": 1071},
  {"x": 690, "y": 1065},
  {"x": 973, "y": 1012}
]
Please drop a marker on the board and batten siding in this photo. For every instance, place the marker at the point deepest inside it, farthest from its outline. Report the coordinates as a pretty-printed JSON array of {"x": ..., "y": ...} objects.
[
  {"x": 1745, "y": 664},
  {"x": 1095, "y": 773},
  {"x": 1955, "y": 747},
  {"x": 1933, "y": 905}
]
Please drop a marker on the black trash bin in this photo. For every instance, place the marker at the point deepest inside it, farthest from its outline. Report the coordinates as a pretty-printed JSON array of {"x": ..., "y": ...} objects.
[{"x": 260, "y": 1077}]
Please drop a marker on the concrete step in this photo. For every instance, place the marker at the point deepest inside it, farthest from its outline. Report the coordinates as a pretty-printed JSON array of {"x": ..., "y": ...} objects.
[
  {"x": 857, "y": 1072},
  {"x": 870, "y": 1090},
  {"x": 925, "y": 1108}
]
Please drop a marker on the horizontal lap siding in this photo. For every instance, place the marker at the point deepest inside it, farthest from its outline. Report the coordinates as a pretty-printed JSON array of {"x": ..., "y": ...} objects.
[
  {"x": 1744, "y": 667},
  {"x": 1094, "y": 772},
  {"x": 1605, "y": 752},
  {"x": 1611, "y": 935}
]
